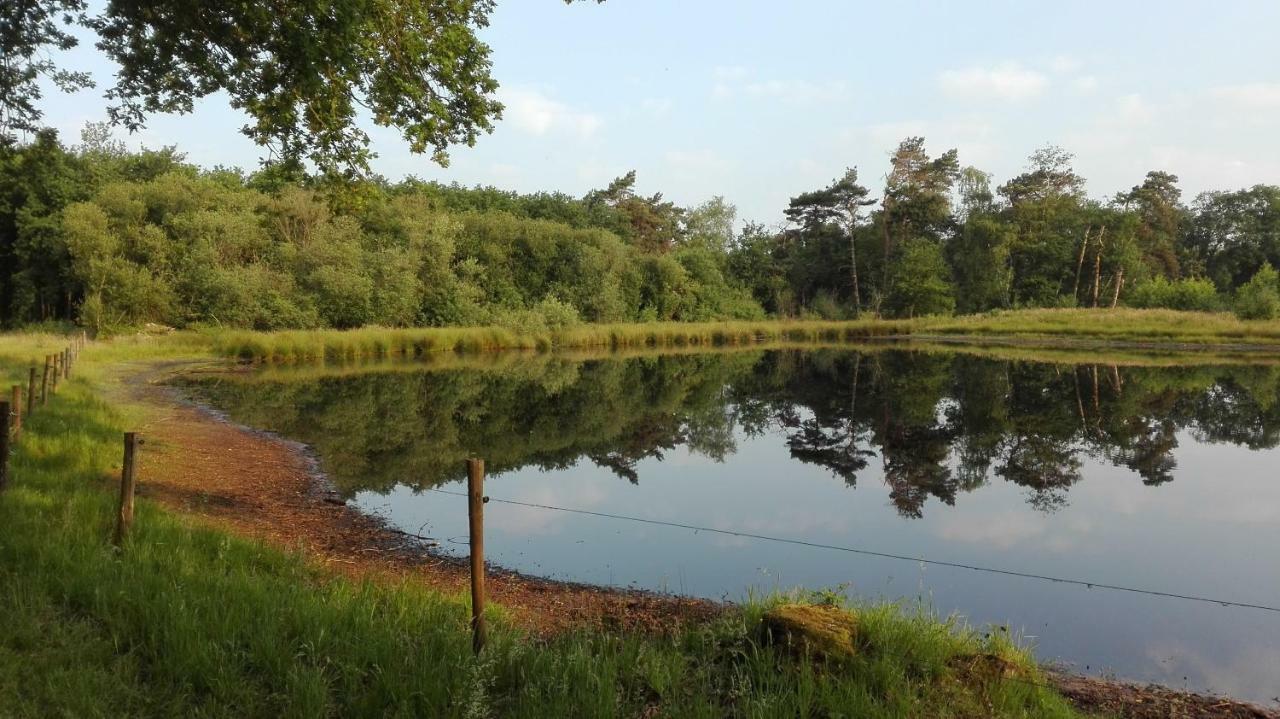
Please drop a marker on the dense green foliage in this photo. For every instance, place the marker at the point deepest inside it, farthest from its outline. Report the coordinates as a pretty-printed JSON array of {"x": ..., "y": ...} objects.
[
  {"x": 108, "y": 238},
  {"x": 28, "y": 32},
  {"x": 113, "y": 239},
  {"x": 302, "y": 72},
  {"x": 1195, "y": 294},
  {"x": 191, "y": 621},
  {"x": 1259, "y": 298}
]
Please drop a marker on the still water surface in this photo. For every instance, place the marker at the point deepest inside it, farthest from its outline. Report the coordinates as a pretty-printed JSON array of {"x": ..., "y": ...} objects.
[{"x": 1163, "y": 478}]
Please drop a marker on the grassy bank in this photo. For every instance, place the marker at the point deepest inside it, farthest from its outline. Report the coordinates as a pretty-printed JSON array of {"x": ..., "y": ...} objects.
[
  {"x": 379, "y": 342},
  {"x": 1120, "y": 327},
  {"x": 189, "y": 620}
]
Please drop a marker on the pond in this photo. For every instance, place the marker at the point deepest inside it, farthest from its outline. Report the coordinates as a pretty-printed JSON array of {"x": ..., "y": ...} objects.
[{"x": 1142, "y": 474}]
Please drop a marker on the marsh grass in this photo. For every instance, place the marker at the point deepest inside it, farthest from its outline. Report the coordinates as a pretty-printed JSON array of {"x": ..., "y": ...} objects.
[
  {"x": 188, "y": 620},
  {"x": 1131, "y": 326},
  {"x": 383, "y": 342}
]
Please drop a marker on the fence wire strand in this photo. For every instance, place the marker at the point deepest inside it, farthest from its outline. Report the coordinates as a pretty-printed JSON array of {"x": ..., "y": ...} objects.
[{"x": 883, "y": 555}]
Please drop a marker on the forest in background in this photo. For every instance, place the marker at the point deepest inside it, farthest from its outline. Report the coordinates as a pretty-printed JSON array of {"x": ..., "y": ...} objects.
[{"x": 108, "y": 238}]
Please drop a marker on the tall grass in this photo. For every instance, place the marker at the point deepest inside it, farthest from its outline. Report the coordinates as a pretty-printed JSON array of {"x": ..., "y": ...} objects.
[
  {"x": 1120, "y": 326},
  {"x": 299, "y": 345},
  {"x": 295, "y": 345},
  {"x": 188, "y": 620}
]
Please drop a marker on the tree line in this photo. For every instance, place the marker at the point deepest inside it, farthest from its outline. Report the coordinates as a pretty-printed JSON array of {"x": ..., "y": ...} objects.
[
  {"x": 109, "y": 238},
  {"x": 939, "y": 238}
]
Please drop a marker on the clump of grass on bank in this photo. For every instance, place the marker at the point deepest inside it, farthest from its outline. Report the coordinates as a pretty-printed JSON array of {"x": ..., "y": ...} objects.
[
  {"x": 191, "y": 621},
  {"x": 298, "y": 345}
]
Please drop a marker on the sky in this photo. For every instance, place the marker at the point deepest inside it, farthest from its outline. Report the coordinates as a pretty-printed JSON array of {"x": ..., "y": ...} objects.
[{"x": 759, "y": 100}]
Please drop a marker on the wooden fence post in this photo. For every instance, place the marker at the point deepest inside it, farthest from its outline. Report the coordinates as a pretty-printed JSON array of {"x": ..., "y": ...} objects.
[
  {"x": 124, "y": 519},
  {"x": 31, "y": 390},
  {"x": 4, "y": 445},
  {"x": 66, "y": 363},
  {"x": 57, "y": 371},
  {"x": 475, "y": 513},
  {"x": 17, "y": 412},
  {"x": 44, "y": 381}
]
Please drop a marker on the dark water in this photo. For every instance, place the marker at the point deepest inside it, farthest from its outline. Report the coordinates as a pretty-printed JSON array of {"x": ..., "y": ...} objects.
[{"x": 1162, "y": 478}]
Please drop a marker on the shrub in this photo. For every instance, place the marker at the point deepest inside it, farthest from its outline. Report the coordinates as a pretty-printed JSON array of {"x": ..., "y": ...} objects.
[
  {"x": 826, "y": 306},
  {"x": 1259, "y": 298},
  {"x": 557, "y": 314},
  {"x": 1193, "y": 294}
]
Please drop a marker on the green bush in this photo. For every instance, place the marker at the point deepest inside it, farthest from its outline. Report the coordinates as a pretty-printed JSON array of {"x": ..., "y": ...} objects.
[
  {"x": 825, "y": 306},
  {"x": 1259, "y": 298},
  {"x": 1192, "y": 294},
  {"x": 557, "y": 314}
]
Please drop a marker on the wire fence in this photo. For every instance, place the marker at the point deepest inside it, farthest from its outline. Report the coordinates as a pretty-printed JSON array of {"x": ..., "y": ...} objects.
[
  {"x": 886, "y": 555},
  {"x": 1001, "y": 676}
]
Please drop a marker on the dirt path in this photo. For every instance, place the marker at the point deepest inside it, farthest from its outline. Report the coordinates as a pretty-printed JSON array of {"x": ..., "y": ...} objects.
[{"x": 264, "y": 487}]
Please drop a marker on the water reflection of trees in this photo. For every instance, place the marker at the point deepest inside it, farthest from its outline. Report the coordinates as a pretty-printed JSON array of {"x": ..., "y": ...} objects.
[{"x": 932, "y": 425}]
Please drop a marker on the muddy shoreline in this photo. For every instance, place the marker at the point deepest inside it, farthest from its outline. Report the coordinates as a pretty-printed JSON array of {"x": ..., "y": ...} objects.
[{"x": 200, "y": 462}]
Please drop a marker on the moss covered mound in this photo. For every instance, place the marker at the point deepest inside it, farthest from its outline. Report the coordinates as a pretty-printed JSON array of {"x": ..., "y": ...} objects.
[{"x": 822, "y": 631}]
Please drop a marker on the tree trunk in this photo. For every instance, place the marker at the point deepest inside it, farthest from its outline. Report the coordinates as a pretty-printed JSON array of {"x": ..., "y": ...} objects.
[
  {"x": 888, "y": 244},
  {"x": 1115, "y": 298},
  {"x": 1097, "y": 267},
  {"x": 1084, "y": 247},
  {"x": 853, "y": 271},
  {"x": 1075, "y": 374},
  {"x": 1097, "y": 409}
]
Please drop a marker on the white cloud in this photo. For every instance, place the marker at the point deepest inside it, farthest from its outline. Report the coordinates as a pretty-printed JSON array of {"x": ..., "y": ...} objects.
[
  {"x": 738, "y": 82},
  {"x": 1008, "y": 81},
  {"x": 726, "y": 78},
  {"x": 1134, "y": 110},
  {"x": 1063, "y": 64},
  {"x": 594, "y": 172},
  {"x": 700, "y": 162},
  {"x": 796, "y": 91},
  {"x": 729, "y": 73},
  {"x": 1256, "y": 95},
  {"x": 656, "y": 106},
  {"x": 533, "y": 112},
  {"x": 1085, "y": 84},
  {"x": 505, "y": 171}
]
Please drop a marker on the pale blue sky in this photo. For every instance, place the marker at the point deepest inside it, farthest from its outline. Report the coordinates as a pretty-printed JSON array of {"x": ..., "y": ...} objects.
[{"x": 758, "y": 100}]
